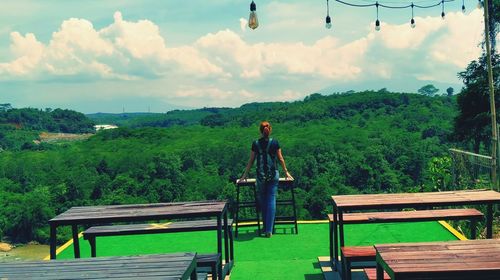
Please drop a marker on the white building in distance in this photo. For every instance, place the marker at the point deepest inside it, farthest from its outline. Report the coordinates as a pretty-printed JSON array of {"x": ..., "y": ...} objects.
[{"x": 104, "y": 126}]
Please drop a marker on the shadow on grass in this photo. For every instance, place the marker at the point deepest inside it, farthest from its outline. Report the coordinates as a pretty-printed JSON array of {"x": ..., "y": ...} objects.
[
  {"x": 246, "y": 235},
  {"x": 316, "y": 276},
  {"x": 284, "y": 230}
]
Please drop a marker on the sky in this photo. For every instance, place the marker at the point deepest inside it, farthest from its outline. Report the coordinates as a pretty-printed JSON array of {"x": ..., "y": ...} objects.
[{"x": 158, "y": 55}]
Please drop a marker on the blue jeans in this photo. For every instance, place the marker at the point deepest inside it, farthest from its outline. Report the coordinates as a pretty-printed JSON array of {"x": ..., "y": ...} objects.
[{"x": 267, "y": 201}]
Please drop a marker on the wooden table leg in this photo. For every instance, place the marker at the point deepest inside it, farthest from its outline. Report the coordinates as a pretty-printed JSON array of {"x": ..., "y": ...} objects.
[
  {"x": 93, "y": 249},
  {"x": 380, "y": 272},
  {"x": 341, "y": 237},
  {"x": 76, "y": 243},
  {"x": 335, "y": 237},
  {"x": 489, "y": 221},
  {"x": 53, "y": 241},
  {"x": 219, "y": 245}
]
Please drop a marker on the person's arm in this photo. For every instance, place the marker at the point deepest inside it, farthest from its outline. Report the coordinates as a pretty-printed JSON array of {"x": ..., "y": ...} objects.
[
  {"x": 249, "y": 165},
  {"x": 283, "y": 165}
]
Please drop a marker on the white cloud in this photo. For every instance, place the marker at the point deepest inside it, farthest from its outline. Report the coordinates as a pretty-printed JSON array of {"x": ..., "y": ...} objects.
[
  {"x": 454, "y": 47},
  {"x": 325, "y": 57},
  {"x": 122, "y": 50},
  {"x": 228, "y": 67},
  {"x": 28, "y": 52}
]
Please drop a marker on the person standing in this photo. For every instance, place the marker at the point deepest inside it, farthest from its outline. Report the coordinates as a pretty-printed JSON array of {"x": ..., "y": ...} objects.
[{"x": 267, "y": 151}]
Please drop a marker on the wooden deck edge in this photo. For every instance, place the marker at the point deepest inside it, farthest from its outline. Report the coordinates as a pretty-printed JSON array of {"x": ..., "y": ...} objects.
[
  {"x": 63, "y": 247},
  {"x": 452, "y": 230}
]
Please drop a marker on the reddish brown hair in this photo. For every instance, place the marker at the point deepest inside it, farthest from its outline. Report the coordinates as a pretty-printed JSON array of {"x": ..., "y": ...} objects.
[{"x": 265, "y": 128}]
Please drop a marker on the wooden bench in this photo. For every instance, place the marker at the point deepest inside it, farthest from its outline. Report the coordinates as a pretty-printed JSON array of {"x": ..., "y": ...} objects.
[
  {"x": 355, "y": 254},
  {"x": 181, "y": 266},
  {"x": 362, "y": 253},
  {"x": 208, "y": 260},
  {"x": 371, "y": 274}
]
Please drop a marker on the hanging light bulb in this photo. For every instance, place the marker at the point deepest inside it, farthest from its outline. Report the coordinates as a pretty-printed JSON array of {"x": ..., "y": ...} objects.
[
  {"x": 479, "y": 4},
  {"x": 442, "y": 11},
  {"x": 328, "y": 20},
  {"x": 412, "y": 21},
  {"x": 328, "y": 23},
  {"x": 377, "y": 22},
  {"x": 463, "y": 9},
  {"x": 253, "y": 22}
]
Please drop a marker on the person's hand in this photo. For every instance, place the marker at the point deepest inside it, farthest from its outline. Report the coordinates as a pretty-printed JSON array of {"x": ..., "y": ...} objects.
[{"x": 289, "y": 176}]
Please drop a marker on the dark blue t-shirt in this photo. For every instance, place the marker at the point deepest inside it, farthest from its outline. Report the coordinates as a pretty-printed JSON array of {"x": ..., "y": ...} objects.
[{"x": 273, "y": 148}]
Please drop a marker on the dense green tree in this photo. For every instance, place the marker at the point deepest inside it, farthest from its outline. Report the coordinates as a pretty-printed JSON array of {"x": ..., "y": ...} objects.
[
  {"x": 449, "y": 91},
  {"x": 428, "y": 90},
  {"x": 473, "y": 123}
]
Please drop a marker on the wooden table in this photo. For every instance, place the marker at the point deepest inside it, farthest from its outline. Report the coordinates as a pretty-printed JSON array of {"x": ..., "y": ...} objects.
[
  {"x": 470, "y": 259},
  {"x": 346, "y": 203},
  {"x": 171, "y": 266},
  {"x": 91, "y": 215}
]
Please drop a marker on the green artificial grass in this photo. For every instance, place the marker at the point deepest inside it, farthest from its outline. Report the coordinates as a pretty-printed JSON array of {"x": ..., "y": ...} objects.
[{"x": 284, "y": 256}]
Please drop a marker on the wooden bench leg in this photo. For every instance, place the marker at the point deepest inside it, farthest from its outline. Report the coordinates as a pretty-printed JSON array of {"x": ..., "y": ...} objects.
[
  {"x": 331, "y": 244},
  {"x": 92, "y": 246},
  {"x": 214, "y": 271},
  {"x": 473, "y": 231},
  {"x": 231, "y": 243},
  {"x": 347, "y": 267},
  {"x": 345, "y": 272}
]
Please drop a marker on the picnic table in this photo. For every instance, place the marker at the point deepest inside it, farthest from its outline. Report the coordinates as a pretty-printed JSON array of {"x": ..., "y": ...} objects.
[
  {"x": 425, "y": 200},
  {"x": 92, "y": 215},
  {"x": 171, "y": 266},
  {"x": 469, "y": 259}
]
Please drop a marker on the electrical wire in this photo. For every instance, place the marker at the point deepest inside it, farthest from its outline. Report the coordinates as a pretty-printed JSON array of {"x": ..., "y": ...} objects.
[{"x": 393, "y": 6}]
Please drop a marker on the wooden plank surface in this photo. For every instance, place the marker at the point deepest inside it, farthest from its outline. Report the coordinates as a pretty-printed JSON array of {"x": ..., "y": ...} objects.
[
  {"x": 172, "y": 266},
  {"x": 183, "y": 226},
  {"x": 140, "y": 211},
  {"x": 405, "y": 216},
  {"x": 402, "y": 200},
  {"x": 441, "y": 258},
  {"x": 371, "y": 274}
]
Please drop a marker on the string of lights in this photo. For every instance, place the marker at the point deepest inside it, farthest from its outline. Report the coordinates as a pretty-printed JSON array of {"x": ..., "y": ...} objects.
[
  {"x": 253, "y": 22},
  {"x": 412, "y": 6}
]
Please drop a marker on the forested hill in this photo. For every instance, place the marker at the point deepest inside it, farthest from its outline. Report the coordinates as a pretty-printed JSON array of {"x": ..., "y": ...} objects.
[
  {"x": 20, "y": 127},
  {"x": 58, "y": 120},
  {"x": 338, "y": 144},
  {"x": 313, "y": 107}
]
